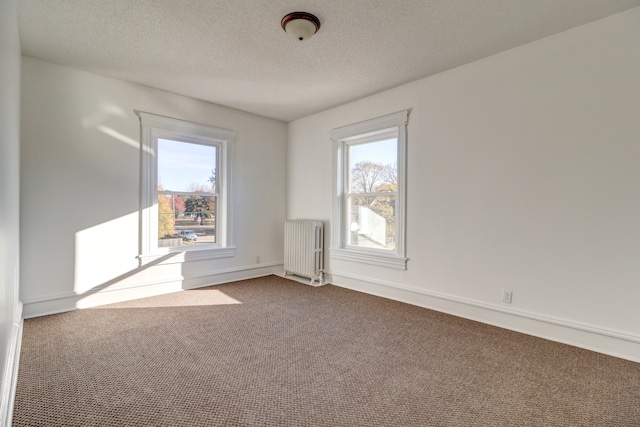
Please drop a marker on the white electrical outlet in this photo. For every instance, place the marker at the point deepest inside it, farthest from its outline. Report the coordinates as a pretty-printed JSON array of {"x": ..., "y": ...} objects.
[
  {"x": 258, "y": 259},
  {"x": 506, "y": 296}
]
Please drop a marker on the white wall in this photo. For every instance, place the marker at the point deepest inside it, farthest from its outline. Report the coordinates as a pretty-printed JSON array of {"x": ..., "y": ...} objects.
[
  {"x": 10, "y": 308},
  {"x": 80, "y": 190},
  {"x": 523, "y": 174}
]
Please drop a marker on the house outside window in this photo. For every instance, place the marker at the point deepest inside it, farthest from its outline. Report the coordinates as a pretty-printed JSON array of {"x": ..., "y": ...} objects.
[
  {"x": 185, "y": 189},
  {"x": 370, "y": 181}
]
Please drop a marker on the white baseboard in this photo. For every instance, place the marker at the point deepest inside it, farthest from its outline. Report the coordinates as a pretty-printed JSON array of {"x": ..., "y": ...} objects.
[
  {"x": 69, "y": 301},
  {"x": 10, "y": 374},
  {"x": 601, "y": 340},
  {"x": 606, "y": 341}
]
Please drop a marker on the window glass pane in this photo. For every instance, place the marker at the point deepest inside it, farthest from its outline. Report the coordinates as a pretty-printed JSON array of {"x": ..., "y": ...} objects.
[
  {"x": 373, "y": 166},
  {"x": 199, "y": 216},
  {"x": 186, "y": 167},
  {"x": 372, "y": 221},
  {"x": 186, "y": 220}
]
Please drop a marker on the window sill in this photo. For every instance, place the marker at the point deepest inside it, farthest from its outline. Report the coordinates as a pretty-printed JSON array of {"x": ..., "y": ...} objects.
[
  {"x": 372, "y": 258},
  {"x": 174, "y": 256}
]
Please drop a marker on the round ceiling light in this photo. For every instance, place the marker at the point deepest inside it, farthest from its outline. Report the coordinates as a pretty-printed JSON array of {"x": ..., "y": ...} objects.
[{"x": 300, "y": 25}]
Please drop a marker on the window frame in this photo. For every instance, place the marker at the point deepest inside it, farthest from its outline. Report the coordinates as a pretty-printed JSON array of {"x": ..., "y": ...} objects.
[
  {"x": 359, "y": 133},
  {"x": 154, "y": 127}
]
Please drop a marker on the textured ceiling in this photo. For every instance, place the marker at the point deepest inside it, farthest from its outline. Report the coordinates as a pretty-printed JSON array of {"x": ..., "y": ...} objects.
[{"x": 234, "y": 53}]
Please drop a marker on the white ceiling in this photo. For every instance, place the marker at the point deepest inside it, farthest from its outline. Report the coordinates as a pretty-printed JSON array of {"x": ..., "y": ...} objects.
[{"x": 234, "y": 52}]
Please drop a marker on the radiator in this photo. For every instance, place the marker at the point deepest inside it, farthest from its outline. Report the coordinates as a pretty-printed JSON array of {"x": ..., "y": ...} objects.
[{"x": 303, "y": 249}]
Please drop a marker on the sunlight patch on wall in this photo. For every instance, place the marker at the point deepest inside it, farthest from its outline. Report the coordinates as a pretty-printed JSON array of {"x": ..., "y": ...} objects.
[
  {"x": 119, "y": 136},
  {"x": 107, "y": 111},
  {"x": 102, "y": 253},
  {"x": 98, "y": 119}
]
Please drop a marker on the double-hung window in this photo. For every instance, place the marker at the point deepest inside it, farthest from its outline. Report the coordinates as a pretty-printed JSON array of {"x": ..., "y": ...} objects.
[
  {"x": 369, "y": 204},
  {"x": 185, "y": 189}
]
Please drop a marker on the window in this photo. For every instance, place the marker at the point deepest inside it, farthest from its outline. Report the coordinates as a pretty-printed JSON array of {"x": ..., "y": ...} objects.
[
  {"x": 185, "y": 185},
  {"x": 369, "y": 207}
]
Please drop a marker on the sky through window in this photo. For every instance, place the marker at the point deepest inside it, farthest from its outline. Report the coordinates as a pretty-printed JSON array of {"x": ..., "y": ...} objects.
[{"x": 182, "y": 164}]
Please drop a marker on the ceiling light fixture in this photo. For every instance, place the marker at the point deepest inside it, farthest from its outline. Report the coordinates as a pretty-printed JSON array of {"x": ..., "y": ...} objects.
[{"x": 300, "y": 25}]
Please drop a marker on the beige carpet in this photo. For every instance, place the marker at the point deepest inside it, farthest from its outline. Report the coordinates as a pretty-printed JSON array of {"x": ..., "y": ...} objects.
[{"x": 273, "y": 352}]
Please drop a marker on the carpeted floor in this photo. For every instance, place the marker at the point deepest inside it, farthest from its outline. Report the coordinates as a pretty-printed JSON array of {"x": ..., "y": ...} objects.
[{"x": 273, "y": 352}]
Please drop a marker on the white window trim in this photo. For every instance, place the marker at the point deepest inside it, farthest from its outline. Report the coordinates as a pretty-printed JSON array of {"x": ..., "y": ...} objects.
[
  {"x": 340, "y": 137},
  {"x": 152, "y": 127}
]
